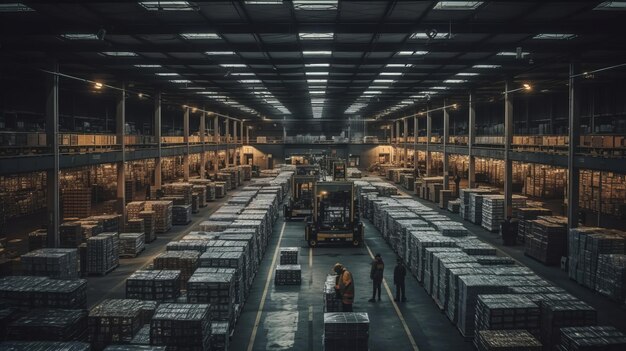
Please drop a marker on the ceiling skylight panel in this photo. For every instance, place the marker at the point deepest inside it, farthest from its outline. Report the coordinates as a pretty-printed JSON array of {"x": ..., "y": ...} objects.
[
  {"x": 80, "y": 36},
  {"x": 167, "y": 5},
  {"x": 412, "y": 53},
  {"x": 316, "y": 36},
  {"x": 15, "y": 7},
  {"x": 457, "y": 5},
  {"x": 119, "y": 53},
  {"x": 200, "y": 36},
  {"x": 554, "y": 36},
  {"x": 317, "y": 53},
  {"x": 315, "y": 5}
]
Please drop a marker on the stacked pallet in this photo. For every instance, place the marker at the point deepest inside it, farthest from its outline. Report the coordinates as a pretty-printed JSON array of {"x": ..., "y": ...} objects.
[
  {"x": 289, "y": 255},
  {"x": 184, "y": 190},
  {"x": 32, "y": 292},
  {"x": 611, "y": 276},
  {"x": 469, "y": 289},
  {"x": 131, "y": 244},
  {"x": 70, "y": 234},
  {"x": 524, "y": 216},
  {"x": 134, "y": 208},
  {"x": 157, "y": 285},
  {"x": 181, "y": 326},
  {"x": 181, "y": 214},
  {"x": 246, "y": 172},
  {"x": 216, "y": 289},
  {"x": 220, "y": 336},
  {"x": 37, "y": 239},
  {"x": 54, "y": 263},
  {"x": 163, "y": 215},
  {"x": 49, "y": 324},
  {"x": 332, "y": 303},
  {"x": 233, "y": 259},
  {"x": 109, "y": 223},
  {"x": 114, "y": 321},
  {"x": 557, "y": 314},
  {"x": 288, "y": 274},
  {"x": 141, "y": 340},
  {"x": 135, "y": 226},
  {"x": 444, "y": 197},
  {"x": 548, "y": 242},
  {"x": 220, "y": 189},
  {"x": 346, "y": 331},
  {"x": 149, "y": 222},
  {"x": 466, "y": 210},
  {"x": 454, "y": 206},
  {"x": 592, "y": 338},
  {"x": 506, "y": 312},
  {"x": 184, "y": 261},
  {"x": 507, "y": 340},
  {"x": 102, "y": 254},
  {"x": 493, "y": 210}
]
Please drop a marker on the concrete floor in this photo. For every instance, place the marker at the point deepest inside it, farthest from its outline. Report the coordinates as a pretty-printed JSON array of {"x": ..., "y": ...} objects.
[
  {"x": 609, "y": 312},
  {"x": 292, "y": 317}
]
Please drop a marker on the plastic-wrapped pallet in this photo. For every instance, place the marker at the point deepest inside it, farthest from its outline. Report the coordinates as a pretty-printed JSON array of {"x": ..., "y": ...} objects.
[
  {"x": 289, "y": 255},
  {"x": 507, "y": 340},
  {"x": 432, "y": 255},
  {"x": 228, "y": 260},
  {"x": 548, "y": 242},
  {"x": 185, "y": 261},
  {"x": 506, "y": 312},
  {"x": 216, "y": 289},
  {"x": 102, "y": 257},
  {"x": 346, "y": 331},
  {"x": 163, "y": 214},
  {"x": 611, "y": 276},
  {"x": 149, "y": 222},
  {"x": 425, "y": 249},
  {"x": 592, "y": 338},
  {"x": 441, "y": 288},
  {"x": 557, "y": 314},
  {"x": 187, "y": 245},
  {"x": 493, "y": 210},
  {"x": 289, "y": 274},
  {"x": 182, "y": 326},
  {"x": 331, "y": 302},
  {"x": 114, "y": 321},
  {"x": 181, "y": 214},
  {"x": 142, "y": 338},
  {"x": 131, "y": 244},
  {"x": 157, "y": 285},
  {"x": 220, "y": 332},
  {"x": 44, "y": 346},
  {"x": 49, "y": 324},
  {"x": 54, "y": 263},
  {"x": 32, "y": 292},
  {"x": 524, "y": 216}
]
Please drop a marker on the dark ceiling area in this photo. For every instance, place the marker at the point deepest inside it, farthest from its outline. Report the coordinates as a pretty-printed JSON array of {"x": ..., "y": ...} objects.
[{"x": 314, "y": 59}]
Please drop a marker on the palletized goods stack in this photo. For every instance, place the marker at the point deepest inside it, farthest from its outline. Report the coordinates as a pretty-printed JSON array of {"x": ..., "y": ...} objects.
[
  {"x": 32, "y": 292},
  {"x": 109, "y": 223},
  {"x": 332, "y": 303},
  {"x": 507, "y": 340},
  {"x": 506, "y": 312},
  {"x": 182, "y": 326},
  {"x": 450, "y": 228},
  {"x": 548, "y": 242},
  {"x": 135, "y": 226},
  {"x": 556, "y": 314},
  {"x": 134, "y": 208},
  {"x": 524, "y": 216},
  {"x": 288, "y": 274},
  {"x": 493, "y": 210},
  {"x": 179, "y": 189},
  {"x": 346, "y": 331},
  {"x": 470, "y": 286},
  {"x": 102, "y": 254},
  {"x": 427, "y": 245},
  {"x": 163, "y": 215},
  {"x": 228, "y": 260},
  {"x": 225, "y": 177},
  {"x": 184, "y": 261},
  {"x": 214, "y": 225},
  {"x": 54, "y": 263},
  {"x": 466, "y": 208},
  {"x": 37, "y": 239},
  {"x": 141, "y": 340},
  {"x": 156, "y": 285},
  {"x": 131, "y": 244},
  {"x": 181, "y": 214},
  {"x": 474, "y": 246},
  {"x": 441, "y": 287},
  {"x": 454, "y": 206},
  {"x": 114, "y": 321},
  {"x": 611, "y": 276},
  {"x": 149, "y": 221},
  {"x": 476, "y": 208},
  {"x": 220, "y": 189},
  {"x": 70, "y": 234},
  {"x": 444, "y": 198},
  {"x": 200, "y": 192},
  {"x": 592, "y": 338},
  {"x": 76, "y": 202},
  {"x": 246, "y": 171},
  {"x": 220, "y": 336},
  {"x": 216, "y": 289},
  {"x": 136, "y": 347},
  {"x": 49, "y": 324},
  {"x": 45, "y": 346},
  {"x": 187, "y": 245},
  {"x": 432, "y": 254}
]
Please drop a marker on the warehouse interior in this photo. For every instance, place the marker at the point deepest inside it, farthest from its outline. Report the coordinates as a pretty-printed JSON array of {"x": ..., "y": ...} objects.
[{"x": 187, "y": 175}]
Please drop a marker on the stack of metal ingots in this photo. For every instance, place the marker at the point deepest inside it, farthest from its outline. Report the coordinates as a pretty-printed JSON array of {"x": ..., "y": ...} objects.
[
  {"x": 346, "y": 331},
  {"x": 288, "y": 274},
  {"x": 289, "y": 255}
]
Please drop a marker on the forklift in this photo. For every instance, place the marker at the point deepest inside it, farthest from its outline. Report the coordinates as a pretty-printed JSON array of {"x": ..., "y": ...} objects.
[
  {"x": 300, "y": 202},
  {"x": 335, "y": 216}
]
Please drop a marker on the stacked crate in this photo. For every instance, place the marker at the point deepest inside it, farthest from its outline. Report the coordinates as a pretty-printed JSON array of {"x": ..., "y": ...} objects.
[
  {"x": 131, "y": 244},
  {"x": 31, "y": 292},
  {"x": 49, "y": 324},
  {"x": 557, "y": 314},
  {"x": 156, "y": 285},
  {"x": 524, "y": 216},
  {"x": 184, "y": 261},
  {"x": 181, "y": 214},
  {"x": 506, "y": 312},
  {"x": 493, "y": 210},
  {"x": 149, "y": 222},
  {"x": 54, "y": 263},
  {"x": 220, "y": 336},
  {"x": 331, "y": 301},
  {"x": 289, "y": 255},
  {"x": 114, "y": 321},
  {"x": 70, "y": 234},
  {"x": 507, "y": 340},
  {"x": 135, "y": 226},
  {"x": 346, "y": 331},
  {"x": 548, "y": 242},
  {"x": 228, "y": 260},
  {"x": 102, "y": 256},
  {"x": 289, "y": 274},
  {"x": 37, "y": 239},
  {"x": 182, "y": 327},
  {"x": 216, "y": 289},
  {"x": 163, "y": 215},
  {"x": 469, "y": 289},
  {"x": 611, "y": 276},
  {"x": 592, "y": 338}
]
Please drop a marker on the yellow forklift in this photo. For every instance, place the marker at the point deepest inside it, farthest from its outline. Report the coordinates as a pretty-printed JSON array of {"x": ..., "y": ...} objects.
[
  {"x": 335, "y": 216},
  {"x": 300, "y": 202}
]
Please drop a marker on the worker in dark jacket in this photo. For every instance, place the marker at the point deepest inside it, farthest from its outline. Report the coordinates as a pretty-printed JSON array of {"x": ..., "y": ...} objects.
[
  {"x": 376, "y": 274},
  {"x": 399, "y": 273},
  {"x": 344, "y": 287}
]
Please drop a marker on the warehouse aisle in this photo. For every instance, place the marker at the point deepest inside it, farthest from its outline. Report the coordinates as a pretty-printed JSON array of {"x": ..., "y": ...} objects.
[{"x": 292, "y": 317}]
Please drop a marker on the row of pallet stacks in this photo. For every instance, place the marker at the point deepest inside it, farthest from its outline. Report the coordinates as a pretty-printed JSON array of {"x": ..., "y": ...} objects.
[{"x": 473, "y": 285}]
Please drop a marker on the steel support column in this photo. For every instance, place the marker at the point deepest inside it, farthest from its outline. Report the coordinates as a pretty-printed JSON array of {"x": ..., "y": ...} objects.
[
  {"x": 446, "y": 130},
  {"x": 508, "y": 140},
  {"x": 186, "y": 141},
  {"x": 120, "y": 123},
  {"x": 573, "y": 172},
  {"x": 415, "y": 135},
  {"x": 429, "y": 126},
  {"x": 406, "y": 140},
  {"x": 157, "y": 135},
  {"x": 216, "y": 137},
  {"x": 52, "y": 141},
  {"x": 471, "y": 128},
  {"x": 202, "y": 131}
]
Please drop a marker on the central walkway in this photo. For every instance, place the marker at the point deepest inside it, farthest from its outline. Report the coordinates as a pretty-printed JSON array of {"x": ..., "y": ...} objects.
[{"x": 292, "y": 317}]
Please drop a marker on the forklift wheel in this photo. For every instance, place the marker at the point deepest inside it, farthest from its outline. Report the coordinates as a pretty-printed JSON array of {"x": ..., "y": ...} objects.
[
  {"x": 312, "y": 243},
  {"x": 356, "y": 243}
]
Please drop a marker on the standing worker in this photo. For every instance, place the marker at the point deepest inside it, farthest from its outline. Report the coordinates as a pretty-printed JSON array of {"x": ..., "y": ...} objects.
[
  {"x": 344, "y": 287},
  {"x": 376, "y": 275},
  {"x": 399, "y": 273}
]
